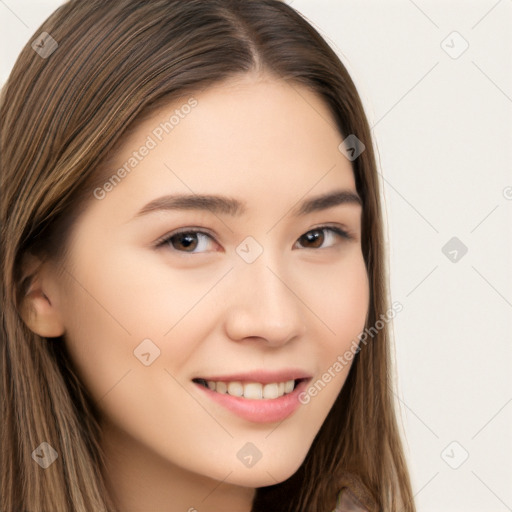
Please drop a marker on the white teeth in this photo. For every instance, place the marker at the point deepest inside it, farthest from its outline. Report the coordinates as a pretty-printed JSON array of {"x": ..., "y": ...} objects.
[
  {"x": 288, "y": 386},
  {"x": 271, "y": 390},
  {"x": 236, "y": 389},
  {"x": 252, "y": 390},
  {"x": 221, "y": 387}
]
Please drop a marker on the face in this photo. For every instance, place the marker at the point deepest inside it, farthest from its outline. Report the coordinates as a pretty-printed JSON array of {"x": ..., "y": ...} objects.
[{"x": 173, "y": 310}]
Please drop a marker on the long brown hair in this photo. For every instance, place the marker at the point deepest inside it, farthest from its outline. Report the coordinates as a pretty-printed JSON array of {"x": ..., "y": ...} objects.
[{"x": 61, "y": 116}]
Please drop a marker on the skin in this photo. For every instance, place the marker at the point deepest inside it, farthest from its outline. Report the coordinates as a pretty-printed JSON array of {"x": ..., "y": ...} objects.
[{"x": 299, "y": 304}]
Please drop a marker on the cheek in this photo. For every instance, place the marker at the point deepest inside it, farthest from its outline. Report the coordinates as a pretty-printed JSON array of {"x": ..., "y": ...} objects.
[
  {"x": 150, "y": 294},
  {"x": 98, "y": 341},
  {"x": 112, "y": 309},
  {"x": 342, "y": 307},
  {"x": 339, "y": 298},
  {"x": 354, "y": 293},
  {"x": 353, "y": 304}
]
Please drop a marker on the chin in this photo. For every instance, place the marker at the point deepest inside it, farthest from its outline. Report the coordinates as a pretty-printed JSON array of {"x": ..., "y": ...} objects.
[{"x": 263, "y": 475}]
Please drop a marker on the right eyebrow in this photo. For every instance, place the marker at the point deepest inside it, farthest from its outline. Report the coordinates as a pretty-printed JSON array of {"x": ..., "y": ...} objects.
[{"x": 213, "y": 203}]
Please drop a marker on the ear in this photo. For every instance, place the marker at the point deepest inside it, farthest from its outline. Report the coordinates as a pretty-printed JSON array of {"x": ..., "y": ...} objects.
[{"x": 39, "y": 305}]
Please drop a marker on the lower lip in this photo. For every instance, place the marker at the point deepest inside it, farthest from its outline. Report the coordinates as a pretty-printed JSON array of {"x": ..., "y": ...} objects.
[{"x": 259, "y": 411}]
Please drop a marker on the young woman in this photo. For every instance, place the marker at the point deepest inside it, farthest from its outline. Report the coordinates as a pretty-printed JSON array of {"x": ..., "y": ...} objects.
[{"x": 194, "y": 300}]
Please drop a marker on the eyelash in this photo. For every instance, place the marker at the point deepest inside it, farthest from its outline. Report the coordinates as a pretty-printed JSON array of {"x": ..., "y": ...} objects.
[{"x": 166, "y": 240}]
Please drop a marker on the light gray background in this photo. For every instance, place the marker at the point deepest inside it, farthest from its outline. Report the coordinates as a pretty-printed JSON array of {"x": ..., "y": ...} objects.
[{"x": 443, "y": 135}]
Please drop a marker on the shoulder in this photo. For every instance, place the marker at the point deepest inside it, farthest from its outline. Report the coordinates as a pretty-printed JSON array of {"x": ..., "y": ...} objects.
[{"x": 354, "y": 496}]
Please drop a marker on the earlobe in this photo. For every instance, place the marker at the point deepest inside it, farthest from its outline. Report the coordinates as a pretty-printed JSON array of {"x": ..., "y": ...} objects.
[{"x": 38, "y": 311}]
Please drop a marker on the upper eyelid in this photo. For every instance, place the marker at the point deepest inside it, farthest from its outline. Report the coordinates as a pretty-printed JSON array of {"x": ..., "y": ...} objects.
[
  {"x": 179, "y": 231},
  {"x": 163, "y": 240}
]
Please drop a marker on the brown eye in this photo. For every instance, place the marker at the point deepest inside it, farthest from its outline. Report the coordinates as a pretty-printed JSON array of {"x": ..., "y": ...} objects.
[
  {"x": 186, "y": 241},
  {"x": 315, "y": 238}
]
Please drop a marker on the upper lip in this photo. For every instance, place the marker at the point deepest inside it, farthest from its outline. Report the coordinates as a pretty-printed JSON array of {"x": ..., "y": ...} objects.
[{"x": 261, "y": 376}]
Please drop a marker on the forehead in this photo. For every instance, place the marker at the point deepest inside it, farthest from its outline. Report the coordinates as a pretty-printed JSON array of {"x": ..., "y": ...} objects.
[
  {"x": 251, "y": 138},
  {"x": 238, "y": 126}
]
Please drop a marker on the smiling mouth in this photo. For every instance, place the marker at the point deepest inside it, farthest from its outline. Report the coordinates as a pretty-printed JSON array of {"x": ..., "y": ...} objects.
[{"x": 251, "y": 390}]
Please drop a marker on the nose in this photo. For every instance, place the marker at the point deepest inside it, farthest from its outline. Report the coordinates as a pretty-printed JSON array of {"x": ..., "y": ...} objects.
[{"x": 264, "y": 305}]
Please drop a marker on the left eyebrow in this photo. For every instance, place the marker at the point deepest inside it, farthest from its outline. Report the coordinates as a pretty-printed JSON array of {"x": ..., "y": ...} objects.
[
  {"x": 227, "y": 205},
  {"x": 324, "y": 201}
]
